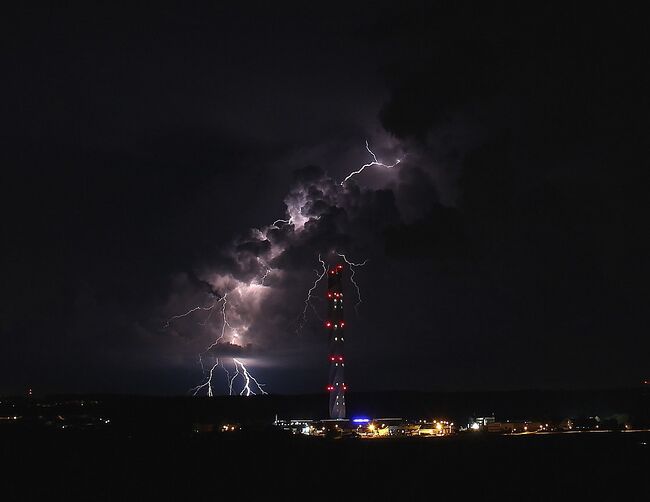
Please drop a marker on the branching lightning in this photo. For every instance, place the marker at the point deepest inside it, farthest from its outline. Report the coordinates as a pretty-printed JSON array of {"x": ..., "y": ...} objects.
[
  {"x": 247, "y": 377},
  {"x": 173, "y": 318},
  {"x": 231, "y": 380},
  {"x": 352, "y": 268},
  {"x": 319, "y": 277},
  {"x": 223, "y": 324},
  {"x": 296, "y": 217},
  {"x": 207, "y": 383},
  {"x": 375, "y": 162}
]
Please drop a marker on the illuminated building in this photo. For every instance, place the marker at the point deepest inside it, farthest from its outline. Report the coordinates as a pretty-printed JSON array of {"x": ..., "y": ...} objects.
[
  {"x": 513, "y": 427},
  {"x": 479, "y": 423},
  {"x": 335, "y": 325},
  {"x": 436, "y": 428}
]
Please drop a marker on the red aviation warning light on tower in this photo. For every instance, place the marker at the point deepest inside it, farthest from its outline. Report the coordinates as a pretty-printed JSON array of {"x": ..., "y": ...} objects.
[{"x": 335, "y": 325}]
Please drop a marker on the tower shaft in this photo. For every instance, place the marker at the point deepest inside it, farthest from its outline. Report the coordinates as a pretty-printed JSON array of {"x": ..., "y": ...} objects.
[{"x": 335, "y": 325}]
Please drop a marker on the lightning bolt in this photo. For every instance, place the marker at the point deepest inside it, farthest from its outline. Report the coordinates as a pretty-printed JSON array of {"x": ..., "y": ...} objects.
[
  {"x": 266, "y": 273},
  {"x": 191, "y": 311},
  {"x": 293, "y": 217},
  {"x": 223, "y": 324},
  {"x": 207, "y": 383},
  {"x": 231, "y": 380},
  {"x": 207, "y": 319},
  {"x": 246, "y": 390},
  {"x": 247, "y": 377},
  {"x": 352, "y": 267},
  {"x": 374, "y": 162},
  {"x": 319, "y": 276}
]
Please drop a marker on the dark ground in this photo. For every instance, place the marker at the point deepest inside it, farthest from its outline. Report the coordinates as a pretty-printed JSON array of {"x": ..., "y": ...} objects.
[
  {"x": 149, "y": 450},
  {"x": 78, "y": 465}
]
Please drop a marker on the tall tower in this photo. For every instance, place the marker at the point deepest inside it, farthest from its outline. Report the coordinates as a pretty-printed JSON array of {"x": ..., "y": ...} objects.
[{"x": 335, "y": 325}]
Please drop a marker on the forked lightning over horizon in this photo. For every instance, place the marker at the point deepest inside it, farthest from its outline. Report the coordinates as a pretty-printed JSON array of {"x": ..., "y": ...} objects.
[{"x": 231, "y": 336}]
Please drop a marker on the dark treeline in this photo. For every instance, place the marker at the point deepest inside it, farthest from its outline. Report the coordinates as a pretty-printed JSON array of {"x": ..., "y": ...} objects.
[{"x": 155, "y": 413}]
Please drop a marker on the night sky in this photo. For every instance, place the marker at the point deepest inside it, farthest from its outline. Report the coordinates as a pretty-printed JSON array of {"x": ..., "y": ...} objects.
[{"x": 146, "y": 154}]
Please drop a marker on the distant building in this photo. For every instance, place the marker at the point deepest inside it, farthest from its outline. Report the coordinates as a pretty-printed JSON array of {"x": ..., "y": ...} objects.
[
  {"x": 404, "y": 430},
  {"x": 514, "y": 427},
  {"x": 298, "y": 426},
  {"x": 436, "y": 428},
  {"x": 502, "y": 427},
  {"x": 387, "y": 426},
  {"x": 480, "y": 423}
]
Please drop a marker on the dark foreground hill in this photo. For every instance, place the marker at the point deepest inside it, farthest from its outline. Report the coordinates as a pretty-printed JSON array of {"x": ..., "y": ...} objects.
[
  {"x": 147, "y": 450},
  {"x": 92, "y": 466}
]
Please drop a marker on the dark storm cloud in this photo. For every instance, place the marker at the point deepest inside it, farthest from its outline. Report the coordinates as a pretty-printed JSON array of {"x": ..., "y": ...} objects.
[
  {"x": 556, "y": 81},
  {"x": 254, "y": 247},
  {"x": 507, "y": 250},
  {"x": 323, "y": 217}
]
